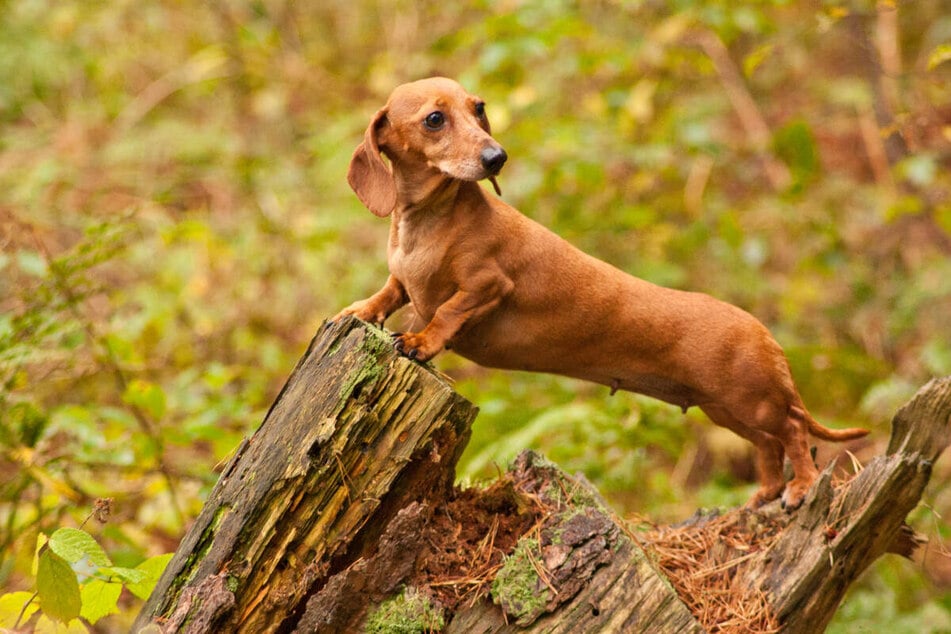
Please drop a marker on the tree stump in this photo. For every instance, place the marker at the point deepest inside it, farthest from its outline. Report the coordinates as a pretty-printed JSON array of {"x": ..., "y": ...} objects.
[
  {"x": 357, "y": 433},
  {"x": 339, "y": 515}
]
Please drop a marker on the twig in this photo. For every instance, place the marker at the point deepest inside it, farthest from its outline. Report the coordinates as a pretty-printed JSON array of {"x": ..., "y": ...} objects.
[
  {"x": 889, "y": 53},
  {"x": 875, "y": 148},
  {"x": 746, "y": 109},
  {"x": 488, "y": 542},
  {"x": 540, "y": 570}
]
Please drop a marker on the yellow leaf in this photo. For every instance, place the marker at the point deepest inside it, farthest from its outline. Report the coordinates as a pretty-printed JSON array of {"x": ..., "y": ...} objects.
[
  {"x": 46, "y": 625},
  {"x": 12, "y": 608}
]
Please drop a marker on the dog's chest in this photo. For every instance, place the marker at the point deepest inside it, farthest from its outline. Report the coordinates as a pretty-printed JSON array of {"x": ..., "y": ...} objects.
[{"x": 424, "y": 268}]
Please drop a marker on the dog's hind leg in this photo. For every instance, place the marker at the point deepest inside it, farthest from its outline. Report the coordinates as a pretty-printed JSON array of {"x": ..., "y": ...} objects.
[{"x": 769, "y": 454}]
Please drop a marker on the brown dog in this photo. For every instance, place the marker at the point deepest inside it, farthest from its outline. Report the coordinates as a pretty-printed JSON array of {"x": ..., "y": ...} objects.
[{"x": 505, "y": 292}]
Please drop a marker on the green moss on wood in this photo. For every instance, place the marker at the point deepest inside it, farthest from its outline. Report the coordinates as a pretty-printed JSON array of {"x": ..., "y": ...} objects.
[
  {"x": 205, "y": 542},
  {"x": 374, "y": 346},
  {"x": 377, "y": 340},
  {"x": 517, "y": 587},
  {"x": 410, "y": 612}
]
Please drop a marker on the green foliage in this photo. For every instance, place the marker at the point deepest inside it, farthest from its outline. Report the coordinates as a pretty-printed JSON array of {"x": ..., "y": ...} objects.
[
  {"x": 99, "y": 599},
  {"x": 16, "y": 607},
  {"x": 57, "y": 588},
  {"x": 895, "y": 595},
  {"x": 75, "y": 578},
  {"x": 74, "y": 545},
  {"x": 150, "y": 570},
  {"x": 175, "y": 223}
]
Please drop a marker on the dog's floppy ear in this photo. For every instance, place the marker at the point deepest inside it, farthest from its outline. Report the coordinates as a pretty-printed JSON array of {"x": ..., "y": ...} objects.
[
  {"x": 484, "y": 120},
  {"x": 368, "y": 175}
]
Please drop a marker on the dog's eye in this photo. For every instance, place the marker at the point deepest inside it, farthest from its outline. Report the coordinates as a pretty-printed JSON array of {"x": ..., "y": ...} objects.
[
  {"x": 480, "y": 109},
  {"x": 435, "y": 120}
]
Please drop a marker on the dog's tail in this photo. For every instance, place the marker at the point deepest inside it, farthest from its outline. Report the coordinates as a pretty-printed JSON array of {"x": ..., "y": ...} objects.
[{"x": 817, "y": 430}]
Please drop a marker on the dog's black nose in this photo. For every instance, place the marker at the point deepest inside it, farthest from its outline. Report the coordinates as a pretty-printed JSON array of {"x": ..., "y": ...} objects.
[{"x": 493, "y": 158}]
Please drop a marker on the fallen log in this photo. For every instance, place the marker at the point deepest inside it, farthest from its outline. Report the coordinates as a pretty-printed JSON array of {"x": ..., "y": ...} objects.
[{"x": 339, "y": 515}]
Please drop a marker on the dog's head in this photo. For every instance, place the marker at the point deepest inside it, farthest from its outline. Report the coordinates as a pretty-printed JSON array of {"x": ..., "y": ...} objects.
[{"x": 428, "y": 127}]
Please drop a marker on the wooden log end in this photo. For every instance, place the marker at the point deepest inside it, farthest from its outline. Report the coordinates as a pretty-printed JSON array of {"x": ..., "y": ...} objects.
[{"x": 923, "y": 424}]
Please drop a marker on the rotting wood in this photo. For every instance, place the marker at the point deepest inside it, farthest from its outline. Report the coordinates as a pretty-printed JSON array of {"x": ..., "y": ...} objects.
[
  {"x": 356, "y": 434},
  {"x": 778, "y": 572}
]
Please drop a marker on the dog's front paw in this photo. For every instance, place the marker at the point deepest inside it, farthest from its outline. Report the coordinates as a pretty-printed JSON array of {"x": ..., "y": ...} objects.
[
  {"x": 362, "y": 309},
  {"x": 415, "y": 346}
]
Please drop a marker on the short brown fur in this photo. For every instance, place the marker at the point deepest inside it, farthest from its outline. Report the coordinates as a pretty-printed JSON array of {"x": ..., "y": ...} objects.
[{"x": 505, "y": 292}]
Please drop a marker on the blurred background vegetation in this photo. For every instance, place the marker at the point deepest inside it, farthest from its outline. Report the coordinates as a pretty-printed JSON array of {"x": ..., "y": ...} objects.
[{"x": 175, "y": 225}]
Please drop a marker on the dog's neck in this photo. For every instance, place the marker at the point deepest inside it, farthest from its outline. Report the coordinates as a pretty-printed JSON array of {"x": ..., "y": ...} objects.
[{"x": 427, "y": 191}]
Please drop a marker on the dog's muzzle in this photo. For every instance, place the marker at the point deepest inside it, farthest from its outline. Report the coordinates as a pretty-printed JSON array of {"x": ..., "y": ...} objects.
[{"x": 493, "y": 158}]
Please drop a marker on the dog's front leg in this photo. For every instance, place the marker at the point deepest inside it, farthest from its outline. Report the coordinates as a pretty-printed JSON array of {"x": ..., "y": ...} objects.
[
  {"x": 465, "y": 306},
  {"x": 380, "y": 305}
]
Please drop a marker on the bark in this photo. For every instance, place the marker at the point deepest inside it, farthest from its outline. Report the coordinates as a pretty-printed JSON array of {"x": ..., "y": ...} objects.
[{"x": 336, "y": 512}]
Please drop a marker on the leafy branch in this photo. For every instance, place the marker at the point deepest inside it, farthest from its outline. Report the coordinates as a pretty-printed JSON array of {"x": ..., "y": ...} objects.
[
  {"x": 76, "y": 579},
  {"x": 66, "y": 281}
]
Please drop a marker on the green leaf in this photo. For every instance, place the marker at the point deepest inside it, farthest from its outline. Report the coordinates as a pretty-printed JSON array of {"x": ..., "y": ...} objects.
[
  {"x": 73, "y": 544},
  {"x": 146, "y": 395},
  {"x": 57, "y": 587},
  {"x": 126, "y": 575},
  {"x": 99, "y": 599},
  {"x": 153, "y": 567},
  {"x": 11, "y": 608}
]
